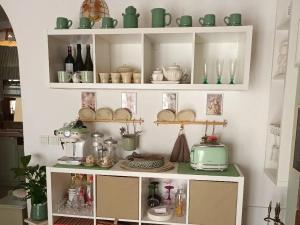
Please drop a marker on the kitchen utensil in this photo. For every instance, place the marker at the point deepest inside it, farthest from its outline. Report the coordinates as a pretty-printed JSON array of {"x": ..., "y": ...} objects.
[
  {"x": 115, "y": 77},
  {"x": 122, "y": 114},
  {"x": 208, "y": 20},
  {"x": 159, "y": 17},
  {"x": 166, "y": 115},
  {"x": 108, "y": 22},
  {"x": 185, "y": 21},
  {"x": 104, "y": 77},
  {"x": 209, "y": 157},
  {"x": 173, "y": 73},
  {"x": 86, "y": 114},
  {"x": 130, "y": 18},
  {"x": 86, "y": 23},
  {"x": 157, "y": 75},
  {"x": 64, "y": 76},
  {"x": 186, "y": 115},
  {"x": 104, "y": 114},
  {"x": 234, "y": 19},
  {"x": 63, "y": 23},
  {"x": 181, "y": 152}
]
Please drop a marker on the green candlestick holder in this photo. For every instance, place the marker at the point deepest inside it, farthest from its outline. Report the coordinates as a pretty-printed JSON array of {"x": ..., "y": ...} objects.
[{"x": 219, "y": 80}]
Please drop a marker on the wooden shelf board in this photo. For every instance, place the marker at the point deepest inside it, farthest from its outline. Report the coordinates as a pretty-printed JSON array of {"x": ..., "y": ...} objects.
[
  {"x": 196, "y": 122},
  {"x": 115, "y": 121},
  {"x": 73, "y": 216}
]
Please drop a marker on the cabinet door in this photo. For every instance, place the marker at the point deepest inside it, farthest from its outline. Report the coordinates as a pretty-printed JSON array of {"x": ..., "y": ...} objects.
[
  {"x": 212, "y": 203},
  {"x": 118, "y": 197}
]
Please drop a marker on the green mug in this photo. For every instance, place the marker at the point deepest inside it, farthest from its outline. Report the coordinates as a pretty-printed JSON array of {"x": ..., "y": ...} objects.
[
  {"x": 234, "y": 19},
  {"x": 208, "y": 20},
  {"x": 185, "y": 21},
  {"x": 64, "y": 76},
  {"x": 159, "y": 17},
  {"x": 87, "y": 76},
  {"x": 86, "y": 23},
  {"x": 63, "y": 23},
  {"x": 108, "y": 22}
]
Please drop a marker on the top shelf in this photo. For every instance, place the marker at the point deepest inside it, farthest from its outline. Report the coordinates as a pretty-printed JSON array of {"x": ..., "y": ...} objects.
[{"x": 166, "y": 30}]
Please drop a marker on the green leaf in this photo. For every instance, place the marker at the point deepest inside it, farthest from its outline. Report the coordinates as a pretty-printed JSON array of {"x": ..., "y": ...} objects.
[{"x": 25, "y": 160}]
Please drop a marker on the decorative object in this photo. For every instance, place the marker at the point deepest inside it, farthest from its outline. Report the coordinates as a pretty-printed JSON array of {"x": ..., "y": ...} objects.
[
  {"x": 219, "y": 70},
  {"x": 88, "y": 100},
  {"x": 276, "y": 219},
  {"x": 214, "y": 105},
  {"x": 167, "y": 215},
  {"x": 145, "y": 161},
  {"x": 129, "y": 101},
  {"x": 234, "y": 19},
  {"x": 157, "y": 75},
  {"x": 130, "y": 18},
  {"x": 208, "y": 20},
  {"x": 86, "y": 114},
  {"x": 173, "y": 73},
  {"x": 166, "y": 115},
  {"x": 33, "y": 180},
  {"x": 63, "y": 23},
  {"x": 104, "y": 114},
  {"x": 169, "y": 101},
  {"x": 86, "y": 23},
  {"x": 167, "y": 166},
  {"x": 185, "y": 21},
  {"x": 159, "y": 17},
  {"x": 186, "y": 115},
  {"x": 94, "y": 9},
  {"x": 108, "y": 22},
  {"x": 129, "y": 142},
  {"x": 122, "y": 114}
]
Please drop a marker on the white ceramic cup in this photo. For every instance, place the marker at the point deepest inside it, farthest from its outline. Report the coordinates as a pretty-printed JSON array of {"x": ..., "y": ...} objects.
[
  {"x": 137, "y": 77},
  {"x": 115, "y": 77},
  {"x": 76, "y": 78},
  {"x": 126, "y": 77},
  {"x": 157, "y": 77},
  {"x": 104, "y": 77}
]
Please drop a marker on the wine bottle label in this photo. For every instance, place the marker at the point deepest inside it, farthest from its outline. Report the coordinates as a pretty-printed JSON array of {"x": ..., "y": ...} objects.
[{"x": 69, "y": 67}]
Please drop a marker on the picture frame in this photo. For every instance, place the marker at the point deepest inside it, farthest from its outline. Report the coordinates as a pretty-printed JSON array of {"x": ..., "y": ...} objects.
[
  {"x": 129, "y": 101},
  {"x": 88, "y": 100},
  {"x": 214, "y": 104},
  {"x": 169, "y": 101}
]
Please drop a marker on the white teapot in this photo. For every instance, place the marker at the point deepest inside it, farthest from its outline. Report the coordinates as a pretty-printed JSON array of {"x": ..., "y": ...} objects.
[{"x": 173, "y": 73}]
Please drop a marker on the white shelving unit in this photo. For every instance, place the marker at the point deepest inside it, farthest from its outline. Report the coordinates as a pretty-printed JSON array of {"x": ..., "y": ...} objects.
[
  {"x": 276, "y": 156},
  {"x": 146, "y": 49},
  {"x": 59, "y": 179}
]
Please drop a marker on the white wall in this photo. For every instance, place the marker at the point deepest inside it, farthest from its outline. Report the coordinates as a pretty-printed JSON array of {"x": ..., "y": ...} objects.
[{"x": 45, "y": 109}]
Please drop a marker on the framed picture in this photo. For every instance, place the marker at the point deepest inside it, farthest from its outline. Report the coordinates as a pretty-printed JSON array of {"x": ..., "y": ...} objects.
[
  {"x": 214, "y": 104},
  {"x": 169, "y": 101},
  {"x": 129, "y": 100},
  {"x": 88, "y": 100}
]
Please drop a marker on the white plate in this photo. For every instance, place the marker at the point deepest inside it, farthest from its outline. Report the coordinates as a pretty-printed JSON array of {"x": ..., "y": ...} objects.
[{"x": 164, "y": 82}]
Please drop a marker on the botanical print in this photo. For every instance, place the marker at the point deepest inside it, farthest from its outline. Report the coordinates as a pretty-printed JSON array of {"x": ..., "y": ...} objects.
[
  {"x": 88, "y": 100},
  {"x": 170, "y": 101},
  {"x": 129, "y": 101},
  {"x": 214, "y": 104}
]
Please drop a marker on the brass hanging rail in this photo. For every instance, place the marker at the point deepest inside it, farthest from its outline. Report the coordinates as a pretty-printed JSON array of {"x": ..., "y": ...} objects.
[
  {"x": 196, "y": 122},
  {"x": 134, "y": 121}
]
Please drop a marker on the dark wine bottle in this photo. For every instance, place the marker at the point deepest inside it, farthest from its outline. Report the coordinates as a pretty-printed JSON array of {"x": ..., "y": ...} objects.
[
  {"x": 78, "y": 65},
  {"x": 88, "y": 60},
  {"x": 69, "y": 61}
]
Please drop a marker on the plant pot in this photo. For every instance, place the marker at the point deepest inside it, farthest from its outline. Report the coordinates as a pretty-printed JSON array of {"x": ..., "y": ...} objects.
[
  {"x": 129, "y": 142},
  {"x": 39, "y": 211}
]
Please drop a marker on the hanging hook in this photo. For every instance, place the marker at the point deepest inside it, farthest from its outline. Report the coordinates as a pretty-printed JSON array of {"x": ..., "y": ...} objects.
[
  {"x": 206, "y": 125},
  {"x": 213, "y": 132}
]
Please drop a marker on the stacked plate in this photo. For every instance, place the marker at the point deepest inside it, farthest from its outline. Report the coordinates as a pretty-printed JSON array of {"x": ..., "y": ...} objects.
[{"x": 168, "y": 115}]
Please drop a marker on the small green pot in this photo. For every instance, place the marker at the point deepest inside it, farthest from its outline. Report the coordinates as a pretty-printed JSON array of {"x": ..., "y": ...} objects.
[
  {"x": 39, "y": 211},
  {"x": 129, "y": 142}
]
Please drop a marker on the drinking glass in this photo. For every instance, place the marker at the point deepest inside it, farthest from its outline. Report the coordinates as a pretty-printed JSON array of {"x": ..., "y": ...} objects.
[
  {"x": 232, "y": 70},
  {"x": 219, "y": 69},
  {"x": 205, "y": 73}
]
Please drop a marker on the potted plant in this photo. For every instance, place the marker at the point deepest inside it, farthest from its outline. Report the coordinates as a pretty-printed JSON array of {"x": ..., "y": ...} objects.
[{"x": 33, "y": 180}]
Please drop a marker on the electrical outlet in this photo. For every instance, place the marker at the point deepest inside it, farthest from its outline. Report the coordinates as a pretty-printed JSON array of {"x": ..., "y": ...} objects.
[{"x": 44, "y": 139}]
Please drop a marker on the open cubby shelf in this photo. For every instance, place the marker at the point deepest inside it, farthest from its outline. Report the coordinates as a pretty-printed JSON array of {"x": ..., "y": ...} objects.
[{"x": 145, "y": 49}]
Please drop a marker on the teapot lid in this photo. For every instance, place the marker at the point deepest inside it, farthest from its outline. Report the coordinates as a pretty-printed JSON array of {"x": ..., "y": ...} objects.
[
  {"x": 157, "y": 70},
  {"x": 130, "y": 10},
  {"x": 174, "y": 66}
]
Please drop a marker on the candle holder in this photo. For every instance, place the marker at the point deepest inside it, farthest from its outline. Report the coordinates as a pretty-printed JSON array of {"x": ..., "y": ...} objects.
[
  {"x": 219, "y": 69},
  {"x": 205, "y": 81},
  {"x": 232, "y": 71}
]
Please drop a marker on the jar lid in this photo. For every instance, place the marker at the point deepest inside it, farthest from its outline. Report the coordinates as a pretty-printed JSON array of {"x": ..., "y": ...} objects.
[{"x": 110, "y": 141}]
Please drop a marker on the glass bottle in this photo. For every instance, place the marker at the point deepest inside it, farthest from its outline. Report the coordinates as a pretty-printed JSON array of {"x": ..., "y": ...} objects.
[
  {"x": 180, "y": 201},
  {"x": 78, "y": 65},
  {"x": 69, "y": 61},
  {"x": 152, "y": 200},
  {"x": 88, "y": 60}
]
